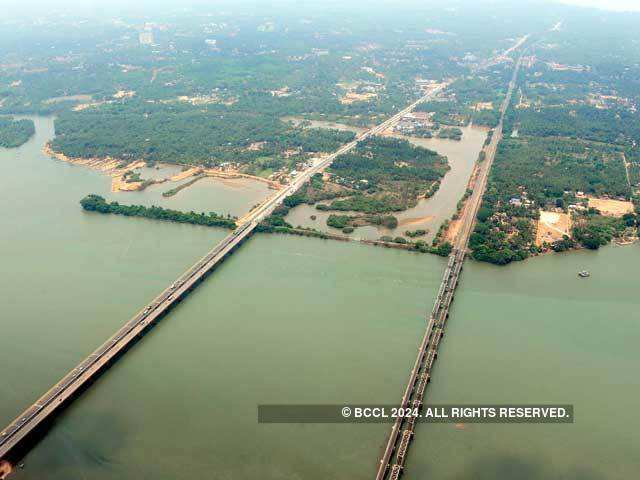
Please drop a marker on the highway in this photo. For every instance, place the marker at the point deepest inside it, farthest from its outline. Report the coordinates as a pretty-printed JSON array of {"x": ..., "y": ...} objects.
[
  {"x": 393, "y": 458},
  {"x": 504, "y": 56},
  {"x": 64, "y": 391}
]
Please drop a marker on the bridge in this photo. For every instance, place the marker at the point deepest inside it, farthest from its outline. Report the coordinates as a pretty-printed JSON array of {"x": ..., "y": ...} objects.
[
  {"x": 72, "y": 384},
  {"x": 394, "y": 456}
]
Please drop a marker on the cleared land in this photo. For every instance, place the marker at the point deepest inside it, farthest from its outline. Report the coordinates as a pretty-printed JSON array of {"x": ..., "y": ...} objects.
[
  {"x": 610, "y": 207},
  {"x": 552, "y": 226}
]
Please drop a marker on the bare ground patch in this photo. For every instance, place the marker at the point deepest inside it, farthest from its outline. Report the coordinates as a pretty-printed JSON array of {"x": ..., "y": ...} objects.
[
  {"x": 552, "y": 226},
  {"x": 614, "y": 208}
]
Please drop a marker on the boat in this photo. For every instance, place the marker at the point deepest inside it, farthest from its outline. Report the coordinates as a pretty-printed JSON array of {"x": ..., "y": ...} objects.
[{"x": 584, "y": 274}]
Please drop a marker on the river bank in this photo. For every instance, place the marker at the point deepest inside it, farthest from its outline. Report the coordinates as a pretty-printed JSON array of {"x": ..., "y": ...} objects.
[
  {"x": 126, "y": 176},
  {"x": 429, "y": 213},
  {"x": 527, "y": 332},
  {"x": 91, "y": 273},
  {"x": 533, "y": 332},
  {"x": 115, "y": 168}
]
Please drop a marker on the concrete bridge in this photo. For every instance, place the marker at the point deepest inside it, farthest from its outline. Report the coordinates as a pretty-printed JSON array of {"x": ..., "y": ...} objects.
[{"x": 14, "y": 438}]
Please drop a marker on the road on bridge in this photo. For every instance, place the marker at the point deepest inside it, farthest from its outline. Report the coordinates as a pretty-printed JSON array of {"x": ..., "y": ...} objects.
[{"x": 71, "y": 384}]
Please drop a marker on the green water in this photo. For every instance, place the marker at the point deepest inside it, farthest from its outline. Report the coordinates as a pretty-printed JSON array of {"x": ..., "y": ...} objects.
[
  {"x": 536, "y": 333},
  {"x": 285, "y": 320},
  {"x": 226, "y": 196},
  {"x": 297, "y": 320}
]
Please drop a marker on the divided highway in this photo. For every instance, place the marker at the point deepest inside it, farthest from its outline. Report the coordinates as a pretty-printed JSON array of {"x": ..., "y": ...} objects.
[{"x": 15, "y": 434}]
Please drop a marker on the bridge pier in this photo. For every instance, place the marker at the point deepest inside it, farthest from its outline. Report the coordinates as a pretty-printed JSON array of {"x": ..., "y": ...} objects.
[
  {"x": 446, "y": 294},
  {"x": 40, "y": 415},
  {"x": 20, "y": 436}
]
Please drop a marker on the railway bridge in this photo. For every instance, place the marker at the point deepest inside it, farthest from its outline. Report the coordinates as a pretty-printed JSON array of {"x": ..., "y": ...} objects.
[{"x": 394, "y": 456}]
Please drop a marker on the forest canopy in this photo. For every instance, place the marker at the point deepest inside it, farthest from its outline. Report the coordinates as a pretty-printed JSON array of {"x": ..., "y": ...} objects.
[
  {"x": 14, "y": 133},
  {"x": 186, "y": 135}
]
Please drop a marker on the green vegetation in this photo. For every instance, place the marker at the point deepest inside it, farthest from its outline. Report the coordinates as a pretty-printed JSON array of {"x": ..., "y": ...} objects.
[
  {"x": 422, "y": 132},
  {"x": 380, "y": 176},
  {"x": 173, "y": 191},
  {"x": 187, "y": 102},
  {"x": 342, "y": 221},
  {"x": 445, "y": 112},
  {"x": 451, "y": 133},
  {"x": 444, "y": 250},
  {"x": 275, "y": 223},
  {"x": 380, "y": 162},
  {"x": 388, "y": 174},
  {"x": 415, "y": 233},
  {"x": 437, "y": 240},
  {"x": 460, "y": 106},
  {"x": 96, "y": 203},
  {"x": 365, "y": 203},
  {"x": 14, "y": 133},
  {"x": 132, "y": 177},
  {"x": 531, "y": 173},
  {"x": 614, "y": 126},
  {"x": 546, "y": 168},
  {"x": 502, "y": 241},
  {"x": 175, "y": 134},
  {"x": 314, "y": 191},
  {"x": 576, "y": 114},
  {"x": 567, "y": 243},
  {"x": 275, "y": 220},
  {"x": 338, "y": 221},
  {"x": 593, "y": 231}
]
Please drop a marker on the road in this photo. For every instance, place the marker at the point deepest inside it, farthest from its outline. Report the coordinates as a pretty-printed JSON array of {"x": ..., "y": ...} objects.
[
  {"x": 504, "y": 56},
  {"x": 516, "y": 46},
  {"x": 481, "y": 183},
  {"x": 72, "y": 383},
  {"x": 319, "y": 165}
]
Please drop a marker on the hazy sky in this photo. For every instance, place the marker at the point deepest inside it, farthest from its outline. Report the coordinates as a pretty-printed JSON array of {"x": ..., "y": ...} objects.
[
  {"x": 28, "y": 8},
  {"x": 620, "y": 5},
  {"x": 604, "y": 4}
]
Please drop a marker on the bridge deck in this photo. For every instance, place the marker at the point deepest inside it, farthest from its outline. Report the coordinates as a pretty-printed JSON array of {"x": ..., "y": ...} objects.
[
  {"x": 92, "y": 364},
  {"x": 394, "y": 456},
  {"x": 14, "y": 434}
]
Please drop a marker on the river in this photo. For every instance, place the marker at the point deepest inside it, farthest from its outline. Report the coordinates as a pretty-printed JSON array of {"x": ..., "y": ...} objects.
[
  {"x": 534, "y": 332},
  {"x": 298, "y": 320},
  {"x": 429, "y": 213}
]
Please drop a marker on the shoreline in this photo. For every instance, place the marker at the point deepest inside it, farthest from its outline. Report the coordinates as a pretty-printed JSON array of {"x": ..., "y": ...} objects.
[
  {"x": 452, "y": 230},
  {"x": 217, "y": 173},
  {"x": 111, "y": 166}
]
